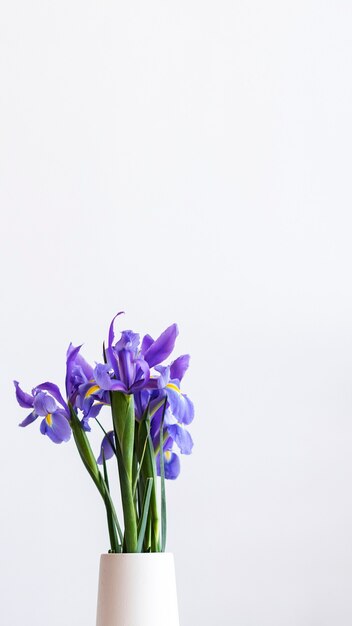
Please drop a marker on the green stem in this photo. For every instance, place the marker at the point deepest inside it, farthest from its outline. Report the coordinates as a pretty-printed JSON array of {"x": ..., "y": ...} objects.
[
  {"x": 148, "y": 470},
  {"x": 111, "y": 525},
  {"x": 162, "y": 479},
  {"x": 122, "y": 408},
  {"x": 88, "y": 458}
]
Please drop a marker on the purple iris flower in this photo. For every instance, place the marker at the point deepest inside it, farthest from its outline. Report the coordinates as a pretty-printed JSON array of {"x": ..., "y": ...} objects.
[
  {"x": 52, "y": 408},
  {"x": 128, "y": 370},
  {"x": 128, "y": 366},
  {"x": 81, "y": 387},
  {"x": 178, "y": 414}
]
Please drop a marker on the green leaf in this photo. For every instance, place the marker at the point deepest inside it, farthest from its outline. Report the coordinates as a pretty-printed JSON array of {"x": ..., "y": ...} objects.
[
  {"x": 162, "y": 478},
  {"x": 115, "y": 547},
  {"x": 145, "y": 510},
  {"x": 122, "y": 407},
  {"x": 88, "y": 458},
  {"x": 149, "y": 471},
  {"x": 140, "y": 462}
]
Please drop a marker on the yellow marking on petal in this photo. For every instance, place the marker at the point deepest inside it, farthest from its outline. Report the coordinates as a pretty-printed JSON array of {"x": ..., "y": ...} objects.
[
  {"x": 175, "y": 387},
  {"x": 49, "y": 419},
  {"x": 168, "y": 455},
  {"x": 92, "y": 390}
]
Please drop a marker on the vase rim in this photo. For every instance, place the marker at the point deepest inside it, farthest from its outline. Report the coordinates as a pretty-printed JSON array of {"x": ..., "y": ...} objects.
[{"x": 136, "y": 554}]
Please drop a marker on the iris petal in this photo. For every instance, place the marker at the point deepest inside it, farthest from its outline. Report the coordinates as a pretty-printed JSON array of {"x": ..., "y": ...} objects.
[
  {"x": 179, "y": 367},
  {"x": 104, "y": 380},
  {"x": 181, "y": 437},
  {"x": 126, "y": 367},
  {"x": 75, "y": 360},
  {"x": 128, "y": 340},
  {"x": 59, "y": 430},
  {"x": 111, "y": 329},
  {"x": 142, "y": 374},
  {"x": 162, "y": 347},
  {"x": 44, "y": 404},
  {"x": 164, "y": 377},
  {"x": 24, "y": 399},
  {"x": 55, "y": 392},
  {"x": 171, "y": 465},
  {"x": 29, "y": 419},
  {"x": 146, "y": 343},
  {"x": 107, "y": 446},
  {"x": 181, "y": 406}
]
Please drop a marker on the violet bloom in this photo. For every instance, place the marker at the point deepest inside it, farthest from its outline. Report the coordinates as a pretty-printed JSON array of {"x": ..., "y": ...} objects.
[
  {"x": 179, "y": 412},
  {"x": 128, "y": 365},
  {"x": 52, "y": 408},
  {"x": 82, "y": 390}
]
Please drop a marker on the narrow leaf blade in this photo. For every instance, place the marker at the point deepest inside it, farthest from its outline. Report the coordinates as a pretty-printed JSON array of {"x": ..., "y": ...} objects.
[{"x": 145, "y": 509}]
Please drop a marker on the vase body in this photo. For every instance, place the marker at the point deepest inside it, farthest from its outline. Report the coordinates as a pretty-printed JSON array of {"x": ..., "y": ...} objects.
[{"x": 137, "y": 590}]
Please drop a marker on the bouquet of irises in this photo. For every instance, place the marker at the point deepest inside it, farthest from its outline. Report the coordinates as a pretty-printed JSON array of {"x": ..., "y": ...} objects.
[{"x": 148, "y": 418}]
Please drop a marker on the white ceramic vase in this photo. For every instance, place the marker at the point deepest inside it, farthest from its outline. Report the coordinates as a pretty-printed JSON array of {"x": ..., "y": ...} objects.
[{"x": 137, "y": 590}]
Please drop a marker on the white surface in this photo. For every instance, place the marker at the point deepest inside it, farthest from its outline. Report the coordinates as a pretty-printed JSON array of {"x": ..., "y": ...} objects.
[
  {"x": 125, "y": 577},
  {"x": 190, "y": 162}
]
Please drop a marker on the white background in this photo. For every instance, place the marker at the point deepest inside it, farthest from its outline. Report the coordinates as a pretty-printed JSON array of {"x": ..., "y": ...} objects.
[{"x": 185, "y": 161}]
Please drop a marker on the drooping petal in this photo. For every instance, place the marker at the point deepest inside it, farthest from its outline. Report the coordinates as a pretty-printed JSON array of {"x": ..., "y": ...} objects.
[
  {"x": 181, "y": 437},
  {"x": 107, "y": 445},
  {"x": 94, "y": 410},
  {"x": 188, "y": 413},
  {"x": 171, "y": 465},
  {"x": 29, "y": 419},
  {"x": 24, "y": 399},
  {"x": 55, "y": 392},
  {"x": 162, "y": 347},
  {"x": 44, "y": 404},
  {"x": 181, "y": 406},
  {"x": 92, "y": 413},
  {"x": 56, "y": 427},
  {"x": 85, "y": 424},
  {"x": 179, "y": 367}
]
